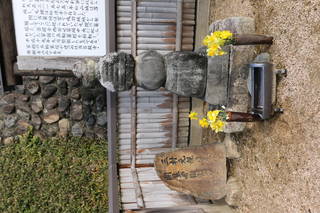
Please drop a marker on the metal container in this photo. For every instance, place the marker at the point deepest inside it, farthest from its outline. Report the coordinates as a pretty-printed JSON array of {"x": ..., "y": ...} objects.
[{"x": 260, "y": 88}]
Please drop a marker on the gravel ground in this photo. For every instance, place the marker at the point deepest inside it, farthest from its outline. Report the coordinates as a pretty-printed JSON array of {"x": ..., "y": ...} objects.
[{"x": 280, "y": 158}]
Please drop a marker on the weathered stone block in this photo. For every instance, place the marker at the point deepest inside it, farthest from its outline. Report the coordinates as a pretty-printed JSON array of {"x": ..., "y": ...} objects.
[
  {"x": 33, "y": 87},
  {"x": 8, "y": 140},
  {"x": 231, "y": 147},
  {"x": 9, "y": 132},
  {"x": 102, "y": 118},
  {"x": 116, "y": 70},
  {"x": 74, "y": 82},
  {"x": 10, "y": 121},
  {"x": 234, "y": 193},
  {"x": 23, "y": 126},
  {"x": 234, "y": 24},
  {"x": 23, "y": 115},
  {"x": 91, "y": 120},
  {"x": 8, "y": 99},
  {"x": 75, "y": 94},
  {"x": 52, "y": 130},
  {"x": 8, "y": 109},
  {"x": 51, "y": 103},
  {"x": 48, "y": 91},
  {"x": 36, "y": 121},
  {"x": 186, "y": 73},
  {"x": 77, "y": 130},
  {"x": 22, "y": 106},
  {"x": 51, "y": 117},
  {"x": 64, "y": 127},
  {"x": 21, "y": 97},
  {"x": 76, "y": 112},
  {"x": 86, "y": 70},
  {"x": 63, "y": 87},
  {"x": 37, "y": 106},
  {"x": 217, "y": 79},
  {"x": 64, "y": 104},
  {"x": 100, "y": 102},
  {"x": 46, "y": 79},
  {"x": 150, "y": 70},
  {"x": 100, "y": 132}
]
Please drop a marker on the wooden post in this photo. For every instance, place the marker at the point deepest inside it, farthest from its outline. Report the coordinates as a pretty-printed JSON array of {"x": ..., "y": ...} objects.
[
  {"x": 175, "y": 104},
  {"x": 138, "y": 191},
  {"x": 203, "y": 8},
  {"x": 8, "y": 40},
  {"x": 60, "y": 73},
  {"x": 113, "y": 185}
]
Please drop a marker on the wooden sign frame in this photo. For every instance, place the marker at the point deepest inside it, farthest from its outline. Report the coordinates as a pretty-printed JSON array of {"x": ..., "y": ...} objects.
[{"x": 50, "y": 65}]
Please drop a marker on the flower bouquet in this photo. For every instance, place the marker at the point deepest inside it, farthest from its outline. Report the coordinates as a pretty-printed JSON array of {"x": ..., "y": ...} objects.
[{"x": 216, "y": 40}]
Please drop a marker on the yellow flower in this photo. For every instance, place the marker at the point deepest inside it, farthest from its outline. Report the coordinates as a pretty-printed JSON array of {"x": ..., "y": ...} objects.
[
  {"x": 225, "y": 34},
  {"x": 212, "y": 115},
  {"x": 209, "y": 39},
  {"x": 193, "y": 116},
  {"x": 221, "y": 52},
  {"x": 217, "y": 126},
  {"x": 215, "y": 41},
  {"x": 211, "y": 51},
  {"x": 216, "y": 34},
  {"x": 203, "y": 123}
]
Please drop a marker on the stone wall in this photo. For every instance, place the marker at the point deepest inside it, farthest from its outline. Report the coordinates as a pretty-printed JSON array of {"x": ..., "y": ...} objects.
[{"x": 54, "y": 106}]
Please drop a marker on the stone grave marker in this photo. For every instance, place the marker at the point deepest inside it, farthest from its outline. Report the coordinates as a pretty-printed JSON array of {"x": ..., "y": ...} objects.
[{"x": 199, "y": 171}]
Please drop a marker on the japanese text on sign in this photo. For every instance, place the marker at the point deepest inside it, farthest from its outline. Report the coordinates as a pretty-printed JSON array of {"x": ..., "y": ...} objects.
[{"x": 60, "y": 27}]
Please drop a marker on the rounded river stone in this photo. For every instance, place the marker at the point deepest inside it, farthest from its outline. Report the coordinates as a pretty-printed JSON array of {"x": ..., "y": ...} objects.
[{"x": 150, "y": 70}]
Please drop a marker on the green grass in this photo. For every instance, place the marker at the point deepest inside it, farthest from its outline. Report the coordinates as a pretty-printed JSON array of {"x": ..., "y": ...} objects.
[{"x": 56, "y": 175}]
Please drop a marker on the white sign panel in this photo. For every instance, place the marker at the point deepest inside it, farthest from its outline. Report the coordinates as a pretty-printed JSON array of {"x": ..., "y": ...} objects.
[{"x": 60, "y": 27}]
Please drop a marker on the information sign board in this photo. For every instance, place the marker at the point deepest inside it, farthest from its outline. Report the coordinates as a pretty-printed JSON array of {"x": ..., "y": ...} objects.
[{"x": 66, "y": 28}]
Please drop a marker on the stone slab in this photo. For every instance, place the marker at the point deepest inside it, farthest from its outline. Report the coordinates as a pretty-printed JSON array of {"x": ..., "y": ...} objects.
[
  {"x": 217, "y": 79},
  {"x": 199, "y": 171},
  {"x": 240, "y": 57}
]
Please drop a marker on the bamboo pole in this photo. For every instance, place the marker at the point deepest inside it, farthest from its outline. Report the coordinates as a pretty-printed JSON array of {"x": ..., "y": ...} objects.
[
  {"x": 242, "y": 117},
  {"x": 252, "y": 39}
]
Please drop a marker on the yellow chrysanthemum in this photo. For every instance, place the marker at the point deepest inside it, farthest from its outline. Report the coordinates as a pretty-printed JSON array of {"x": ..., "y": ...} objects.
[
  {"x": 212, "y": 115},
  {"x": 193, "y": 116},
  {"x": 203, "y": 123},
  {"x": 221, "y": 53},
  {"x": 216, "y": 34},
  {"x": 211, "y": 52},
  {"x": 225, "y": 34},
  {"x": 208, "y": 40},
  {"x": 217, "y": 126},
  {"x": 215, "y": 41}
]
